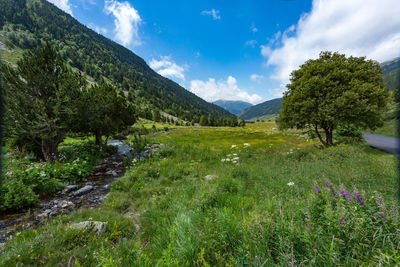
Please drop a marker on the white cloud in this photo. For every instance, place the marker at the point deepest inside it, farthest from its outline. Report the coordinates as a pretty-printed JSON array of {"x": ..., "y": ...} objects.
[
  {"x": 64, "y": 5},
  {"x": 214, "y": 13},
  {"x": 126, "y": 21},
  {"x": 358, "y": 27},
  {"x": 253, "y": 28},
  {"x": 251, "y": 43},
  {"x": 98, "y": 29},
  {"x": 212, "y": 90},
  {"x": 257, "y": 77},
  {"x": 168, "y": 68}
]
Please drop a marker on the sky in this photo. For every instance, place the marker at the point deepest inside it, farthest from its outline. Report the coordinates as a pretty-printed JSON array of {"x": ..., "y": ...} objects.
[{"x": 241, "y": 50}]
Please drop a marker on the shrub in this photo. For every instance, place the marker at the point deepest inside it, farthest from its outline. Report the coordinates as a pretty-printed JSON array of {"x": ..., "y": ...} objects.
[
  {"x": 17, "y": 195},
  {"x": 349, "y": 134}
]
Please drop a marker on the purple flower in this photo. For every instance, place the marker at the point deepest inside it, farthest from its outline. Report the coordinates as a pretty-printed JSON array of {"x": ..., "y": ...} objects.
[
  {"x": 327, "y": 184},
  {"x": 359, "y": 199},
  {"x": 341, "y": 220},
  {"x": 383, "y": 214},
  {"x": 308, "y": 228},
  {"x": 318, "y": 189}
]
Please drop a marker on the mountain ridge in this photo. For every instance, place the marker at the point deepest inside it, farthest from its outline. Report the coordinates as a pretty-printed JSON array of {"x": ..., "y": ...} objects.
[
  {"x": 26, "y": 24},
  {"x": 233, "y": 106}
]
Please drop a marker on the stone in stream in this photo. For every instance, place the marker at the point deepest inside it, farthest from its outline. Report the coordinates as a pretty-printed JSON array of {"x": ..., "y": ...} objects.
[{"x": 84, "y": 190}]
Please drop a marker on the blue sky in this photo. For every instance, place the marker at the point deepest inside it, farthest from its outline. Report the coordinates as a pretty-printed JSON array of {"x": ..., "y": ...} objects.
[{"x": 241, "y": 50}]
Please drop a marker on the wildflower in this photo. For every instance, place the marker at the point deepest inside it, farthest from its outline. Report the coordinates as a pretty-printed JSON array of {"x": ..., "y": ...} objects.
[
  {"x": 233, "y": 146},
  {"x": 246, "y": 144},
  {"x": 327, "y": 184},
  {"x": 359, "y": 199},
  {"x": 308, "y": 228},
  {"x": 318, "y": 189},
  {"x": 223, "y": 160},
  {"x": 290, "y": 184},
  {"x": 235, "y": 158}
]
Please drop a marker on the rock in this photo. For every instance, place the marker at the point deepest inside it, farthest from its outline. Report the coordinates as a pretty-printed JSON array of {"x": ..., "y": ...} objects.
[
  {"x": 99, "y": 227},
  {"x": 210, "y": 177},
  {"x": 66, "y": 204},
  {"x": 107, "y": 186},
  {"x": 84, "y": 190}
]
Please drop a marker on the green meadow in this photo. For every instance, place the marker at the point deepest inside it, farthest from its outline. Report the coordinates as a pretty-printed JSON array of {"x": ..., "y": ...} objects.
[{"x": 224, "y": 196}]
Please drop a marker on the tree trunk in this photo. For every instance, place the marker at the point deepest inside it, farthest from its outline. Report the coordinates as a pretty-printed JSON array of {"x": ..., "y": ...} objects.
[
  {"x": 329, "y": 136},
  {"x": 319, "y": 135},
  {"x": 49, "y": 149},
  {"x": 99, "y": 140}
]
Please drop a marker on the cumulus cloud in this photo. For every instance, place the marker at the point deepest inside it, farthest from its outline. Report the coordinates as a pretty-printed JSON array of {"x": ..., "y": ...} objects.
[
  {"x": 257, "y": 77},
  {"x": 212, "y": 90},
  {"x": 126, "y": 21},
  {"x": 64, "y": 5},
  {"x": 359, "y": 27},
  {"x": 213, "y": 13},
  {"x": 168, "y": 68}
]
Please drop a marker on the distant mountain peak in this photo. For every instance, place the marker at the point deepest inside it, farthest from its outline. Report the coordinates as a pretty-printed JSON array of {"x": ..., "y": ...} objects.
[{"x": 233, "y": 106}]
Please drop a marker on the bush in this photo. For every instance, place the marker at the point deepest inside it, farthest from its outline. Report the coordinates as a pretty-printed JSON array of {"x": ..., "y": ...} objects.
[
  {"x": 349, "y": 134},
  {"x": 17, "y": 195},
  {"x": 138, "y": 143}
]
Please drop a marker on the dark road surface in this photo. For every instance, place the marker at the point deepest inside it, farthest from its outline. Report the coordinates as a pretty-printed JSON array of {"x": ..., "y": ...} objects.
[{"x": 385, "y": 143}]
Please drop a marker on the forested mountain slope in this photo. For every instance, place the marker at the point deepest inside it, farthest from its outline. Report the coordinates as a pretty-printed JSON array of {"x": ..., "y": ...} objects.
[
  {"x": 26, "y": 24},
  {"x": 391, "y": 74},
  {"x": 266, "y": 108}
]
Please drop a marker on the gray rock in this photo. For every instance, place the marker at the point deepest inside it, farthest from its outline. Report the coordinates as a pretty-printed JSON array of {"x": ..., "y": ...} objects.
[
  {"x": 210, "y": 177},
  {"x": 99, "y": 227},
  {"x": 66, "y": 204},
  {"x": 84, "y": 190}
]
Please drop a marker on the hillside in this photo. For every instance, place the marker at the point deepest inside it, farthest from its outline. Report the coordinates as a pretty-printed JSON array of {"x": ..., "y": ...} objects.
[
  {"x": 26, "y": 24},
  {"x": 234, "y": 107},
  {"x": 391, "y": 73},
  {"x": 266, "y": 108}
]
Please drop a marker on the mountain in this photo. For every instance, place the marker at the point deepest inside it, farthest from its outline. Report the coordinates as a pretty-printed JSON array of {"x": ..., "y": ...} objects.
[
  {"x": 234, "y": 107},
  {"x": 269, "y": 107},
  {"x": 391, "y": 73},
  {"x": 27, "y": 24}
]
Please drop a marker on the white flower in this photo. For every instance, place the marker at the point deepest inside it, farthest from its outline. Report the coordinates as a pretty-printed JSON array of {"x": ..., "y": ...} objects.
[
  {"x": 223, "y": 160},
  {"x": 228, "y": 159},
  {"x": 233, "y": 146},
  {"x": 235, "y": 158},
  {"x": 290, "y": 184},
  {"x": 234, "y": 161},
  {"x": 246, "y": 144}
]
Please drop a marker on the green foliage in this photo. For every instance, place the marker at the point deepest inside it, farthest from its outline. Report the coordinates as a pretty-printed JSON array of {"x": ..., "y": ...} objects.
[
  {"x": 138, "y": 143},
  {"x": 102, "y": 111},
  {"x": 39, "y": 99},
  {"x": 349, "y": 134},
  {"x": 17, "y": 195},
  {"x": 334, "y": 90}
]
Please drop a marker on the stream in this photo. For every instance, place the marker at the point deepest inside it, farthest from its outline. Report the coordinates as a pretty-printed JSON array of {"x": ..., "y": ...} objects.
[{"x": 88, "y": 194}]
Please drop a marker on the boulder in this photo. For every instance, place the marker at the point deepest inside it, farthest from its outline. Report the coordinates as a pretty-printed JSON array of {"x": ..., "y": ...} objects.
[
  {"x": 98, "y": 227},
  {"x": 210, "y": 177}
]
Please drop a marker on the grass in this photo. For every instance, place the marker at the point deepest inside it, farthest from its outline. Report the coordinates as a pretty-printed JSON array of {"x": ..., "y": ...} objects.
[
  {"x": 261, "y": 209},
  {"x": 388, "y": 129}
]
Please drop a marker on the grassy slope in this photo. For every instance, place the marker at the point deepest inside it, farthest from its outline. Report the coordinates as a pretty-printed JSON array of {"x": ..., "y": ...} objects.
[{"x": 247, "y": 215}]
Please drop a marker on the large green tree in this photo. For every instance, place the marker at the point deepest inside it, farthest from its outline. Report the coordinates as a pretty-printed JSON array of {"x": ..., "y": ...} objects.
[
  {"x": 39, "y": 99},
  {"x": 103, "y": 112},
  {"x": 334, "y": 90}
]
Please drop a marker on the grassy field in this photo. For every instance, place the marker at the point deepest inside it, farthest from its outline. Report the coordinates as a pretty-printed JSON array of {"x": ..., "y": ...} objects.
[{"x": 272, "y": 198}]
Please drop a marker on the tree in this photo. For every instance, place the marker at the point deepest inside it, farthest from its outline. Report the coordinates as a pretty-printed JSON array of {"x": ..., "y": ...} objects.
[
  {"x": 203, "y": 121},
  {"x": 39, "y": 98},
  {"x": 334, "y": 90},
  {"x": 103, "y": 112}
]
